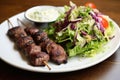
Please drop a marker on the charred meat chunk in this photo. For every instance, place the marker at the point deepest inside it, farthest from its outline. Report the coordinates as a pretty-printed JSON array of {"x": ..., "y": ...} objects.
[
  {"x": 31, "y": 49},
  {"x": 31, "y": 30},
  {"x": 38, "y": 58},
  {"x": 57, "y": 53},
  {"x": 16, "y": 32},
  {"x": 24, "y": 42}
]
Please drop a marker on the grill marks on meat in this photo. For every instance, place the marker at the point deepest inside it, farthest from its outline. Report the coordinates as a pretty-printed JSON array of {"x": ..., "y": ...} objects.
[
  {"x": 26, "y": 44},
  {"x": 56, "y": 52}
]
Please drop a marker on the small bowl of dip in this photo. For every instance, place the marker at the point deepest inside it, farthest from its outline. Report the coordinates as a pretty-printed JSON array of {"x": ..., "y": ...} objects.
[{"x": 42, "y": 14}]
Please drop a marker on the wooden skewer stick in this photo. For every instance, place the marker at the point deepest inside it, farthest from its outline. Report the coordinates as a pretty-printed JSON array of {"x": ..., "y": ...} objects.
[
  {"x": 47, "y": 65},
  {"x": 9, "y": 23},
  {"x": 18, "y": 20}
]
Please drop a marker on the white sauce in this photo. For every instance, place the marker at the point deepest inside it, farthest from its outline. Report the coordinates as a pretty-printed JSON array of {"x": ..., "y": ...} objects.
[{"x": 43, "y": 15}]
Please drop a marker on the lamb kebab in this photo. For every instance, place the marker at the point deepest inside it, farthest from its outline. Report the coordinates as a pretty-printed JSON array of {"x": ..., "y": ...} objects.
[
  {"x": 56, "y": 52},
  {"x": 26, "y": 44}
]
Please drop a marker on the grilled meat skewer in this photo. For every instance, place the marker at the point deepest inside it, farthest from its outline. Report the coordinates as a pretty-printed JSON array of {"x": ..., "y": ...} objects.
[
  {"x": 25, "y": 43},
  {"x": 56, "y": 52}
]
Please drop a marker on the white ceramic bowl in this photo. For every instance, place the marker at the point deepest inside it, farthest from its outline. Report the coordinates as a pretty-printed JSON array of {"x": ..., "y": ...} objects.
[{"x": 42, "y": 14}]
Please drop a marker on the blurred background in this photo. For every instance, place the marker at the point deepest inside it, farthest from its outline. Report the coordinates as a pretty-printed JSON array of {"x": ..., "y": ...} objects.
[{"x": 10, "y": 8}]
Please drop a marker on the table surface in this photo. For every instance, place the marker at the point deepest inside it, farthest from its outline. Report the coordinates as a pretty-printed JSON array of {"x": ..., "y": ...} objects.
[{"x": 106, "y": 70}]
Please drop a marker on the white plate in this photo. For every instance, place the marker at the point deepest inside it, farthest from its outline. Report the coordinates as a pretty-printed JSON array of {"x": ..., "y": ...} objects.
[{"x": 13, "y": 57}]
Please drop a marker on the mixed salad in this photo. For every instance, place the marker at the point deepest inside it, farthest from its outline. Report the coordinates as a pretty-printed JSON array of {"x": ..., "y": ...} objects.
[{"x": 81, "y": 30}]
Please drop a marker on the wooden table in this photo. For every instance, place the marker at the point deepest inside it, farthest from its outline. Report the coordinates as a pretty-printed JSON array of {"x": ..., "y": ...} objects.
[{"x": 106, "y": 70}]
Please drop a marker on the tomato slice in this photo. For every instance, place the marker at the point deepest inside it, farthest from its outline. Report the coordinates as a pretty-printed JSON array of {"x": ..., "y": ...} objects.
[
  {"x": 104, "y": 22},
  {"x": 91, "y": 5}
]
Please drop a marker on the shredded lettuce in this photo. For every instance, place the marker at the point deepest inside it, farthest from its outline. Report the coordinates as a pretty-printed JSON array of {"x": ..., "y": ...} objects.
[{"x": 90, "y": 49}]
